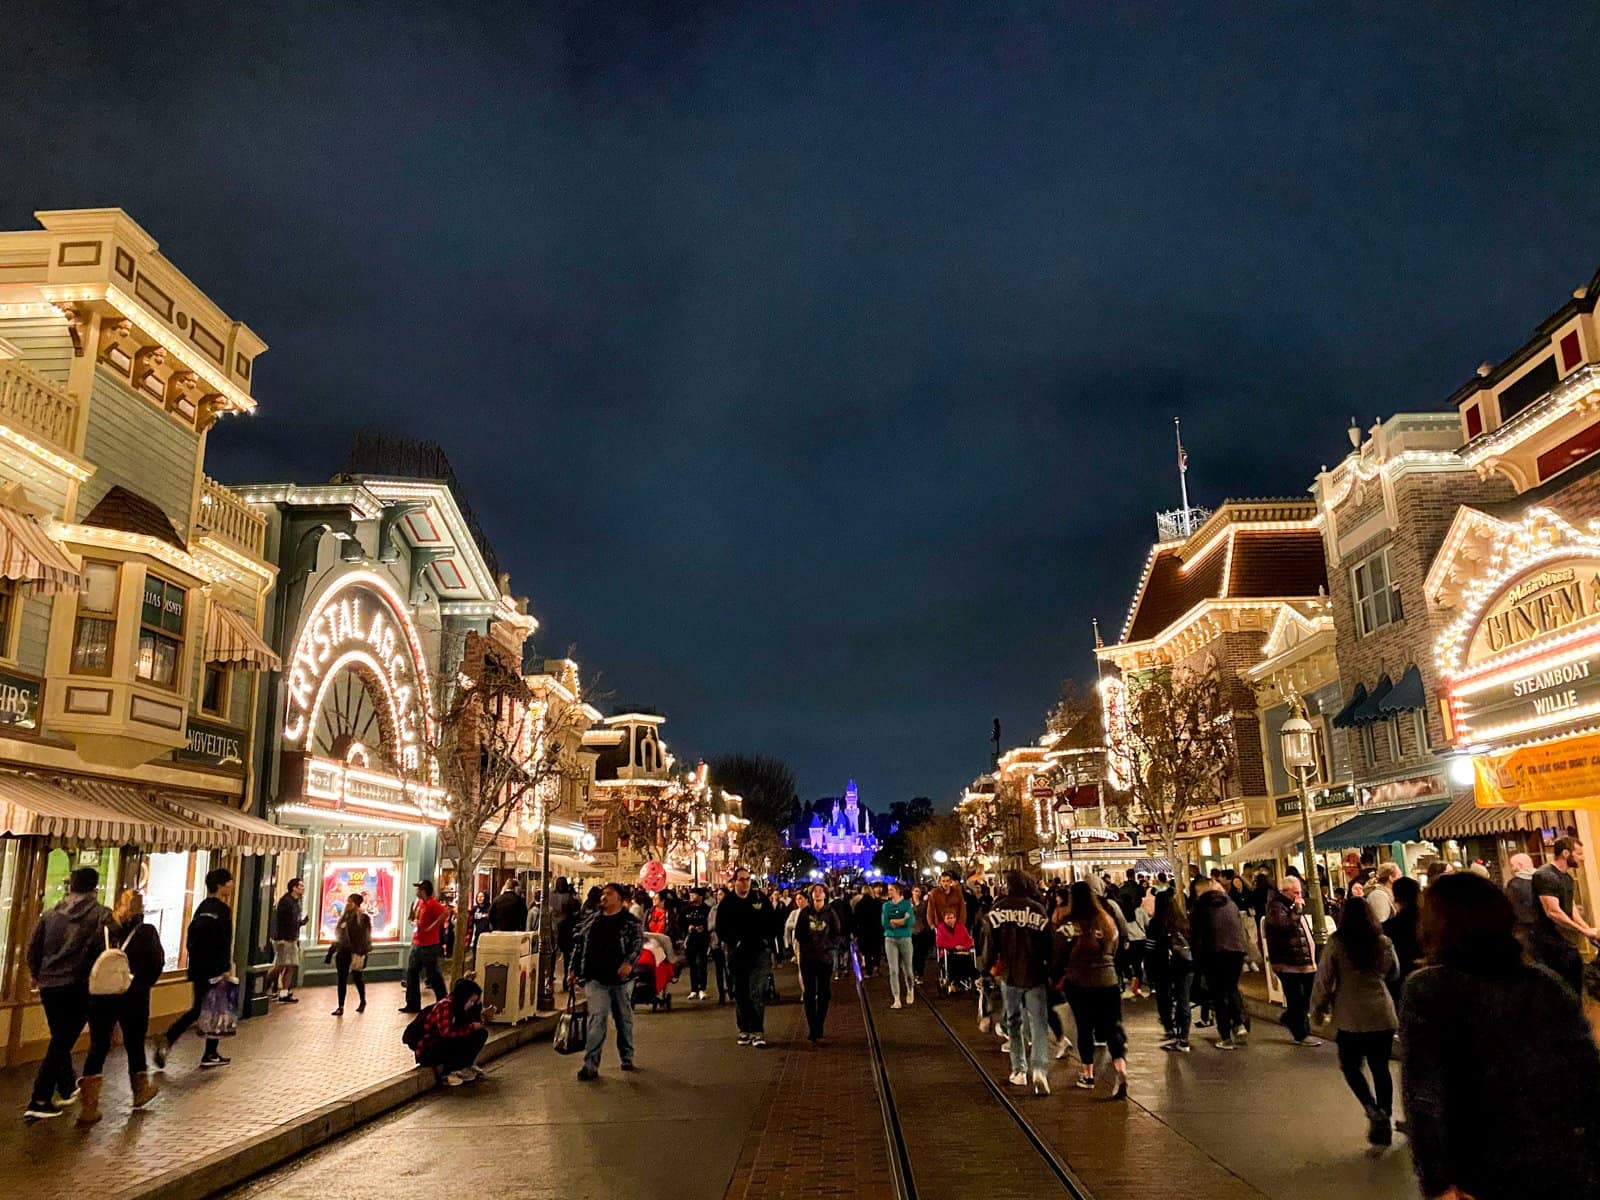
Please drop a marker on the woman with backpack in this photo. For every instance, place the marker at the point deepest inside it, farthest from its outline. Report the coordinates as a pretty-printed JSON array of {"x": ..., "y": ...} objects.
[
  {"x": 136, "y": 941},
  {"x": 1353, "y": 981},
  {"x": 352, "y": 942}
]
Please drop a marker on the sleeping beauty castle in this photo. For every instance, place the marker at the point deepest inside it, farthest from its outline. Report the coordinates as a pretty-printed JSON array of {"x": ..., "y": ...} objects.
[{"x": 844, "y": 841}]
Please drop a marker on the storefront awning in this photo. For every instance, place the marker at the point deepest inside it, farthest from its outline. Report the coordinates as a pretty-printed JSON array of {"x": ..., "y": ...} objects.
[
  {"x": 1370, "y": 711},
  {"x": 1406, "y": 695},
  {"x": 1464, "y": 819},
  {"x": 230, "y": 638},
  {"x": 1385, "y": 825},
  {"x": 96, "y": 813},
  {"x": 246, "y": 833},
  {"x": 1276, "y": 840},
  {"x": 28, "y": 554},
  {"x": 1153, "y": 866},
  {"x": 1346, "y": 716}
]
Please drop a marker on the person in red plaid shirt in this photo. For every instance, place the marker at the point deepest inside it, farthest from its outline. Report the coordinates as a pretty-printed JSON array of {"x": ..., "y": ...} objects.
[{"x": 453, "y": 1034}]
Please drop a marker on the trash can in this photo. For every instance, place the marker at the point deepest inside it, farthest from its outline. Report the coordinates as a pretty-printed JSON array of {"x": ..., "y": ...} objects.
[{"x": 506, "y": 968}]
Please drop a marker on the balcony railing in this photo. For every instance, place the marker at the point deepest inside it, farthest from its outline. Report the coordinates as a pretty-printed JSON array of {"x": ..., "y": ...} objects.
[
  {"x": 229, "y": 519},
  {"x": 33, "y": 405}
]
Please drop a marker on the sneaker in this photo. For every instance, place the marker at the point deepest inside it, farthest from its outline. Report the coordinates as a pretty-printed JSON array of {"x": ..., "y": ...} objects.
[
  {"x": 158, "y": 1052},
  {"x": 586, "y": 1074},
  {"x": 1309, "y": 1043},
  {"x": 40, "y": 1112},
  {"x": 409, "y": 1009},
  {"x": 1041, "y": 1084},
  {"x": 338, "y": 1012},
  {"x": 1119, "y": 1090},
  {"x": 1086, "y": 1082},
  {"x": 759, "y": 1042},
  {"x": 745, "y": 1039},
  {"x": 1226, "y": 1044},
  {"x": 628, "y": 1066},
  {"x": 214, "y": 1060},
  {"x": 286, "y": 998},
  {"x": 1168, "y": 1044},
  {"x": 1020, "y": 1078},
  {"x": 1181, "y": 1047},
  {"x": 61, "y": 1101},
  {"x": 454, "y": 1079},
  {"x": 896, "y": 1004},
  {"x": 1242, "y": 1035}
]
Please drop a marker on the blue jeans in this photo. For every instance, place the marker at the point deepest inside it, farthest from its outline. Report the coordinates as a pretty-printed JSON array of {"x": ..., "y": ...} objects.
[
  {"x": 608, "y": 1000},
  {"x": 1027, "y": 1008}
]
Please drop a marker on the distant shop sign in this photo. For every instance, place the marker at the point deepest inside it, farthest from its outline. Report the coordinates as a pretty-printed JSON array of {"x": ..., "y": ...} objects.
[{"x": 19, "y": 701}]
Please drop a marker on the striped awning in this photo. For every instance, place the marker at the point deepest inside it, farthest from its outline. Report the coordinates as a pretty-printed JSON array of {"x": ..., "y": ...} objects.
[
  {"x": 231, "y": 638},
  {"x": 28, "y": 554},
  {"x": 1464, "y": 819},
  {"x": 247, "y": 833},
  {"x": 89, "y": 812}
]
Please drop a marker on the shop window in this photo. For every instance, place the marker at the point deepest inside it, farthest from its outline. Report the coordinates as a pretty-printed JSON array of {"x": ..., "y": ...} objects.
[
  {"x": 1376, "y": 595},
  {"x": 96, "y": 625},
  {"x": 216, "y": 684},
  {"x": 161, "y": 632},
  {"x": 1369, "y": 747},
  {"x": 1391, "y": 729},
  {"x": 62, "y": 863},
  {"x": 379, "y": 882},
  {"x": 1419, "y": 730},
  {"x": 170, "y": 885},
  {"x": 10, "y": 855}
]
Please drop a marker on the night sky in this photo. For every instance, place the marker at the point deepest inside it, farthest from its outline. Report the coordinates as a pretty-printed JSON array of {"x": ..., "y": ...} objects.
[{"x": 813, "y": 367}]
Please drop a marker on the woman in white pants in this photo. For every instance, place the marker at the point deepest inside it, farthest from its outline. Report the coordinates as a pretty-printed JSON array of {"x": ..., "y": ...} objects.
[{"x": 898, "y": 919}]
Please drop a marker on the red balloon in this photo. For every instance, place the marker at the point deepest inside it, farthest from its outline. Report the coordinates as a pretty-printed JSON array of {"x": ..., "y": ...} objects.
[{"x": 654, "y": 876}]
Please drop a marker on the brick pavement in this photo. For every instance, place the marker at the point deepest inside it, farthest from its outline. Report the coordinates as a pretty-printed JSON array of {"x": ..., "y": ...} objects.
[
  {"x": 289, "y": 1063},
  {"x": 817, "y": 1130}
]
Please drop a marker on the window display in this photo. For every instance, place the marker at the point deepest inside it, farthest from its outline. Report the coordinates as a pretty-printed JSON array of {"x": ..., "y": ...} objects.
[
  {"x": 380, "y": 884},
  {"x": 168, "y": 899}
]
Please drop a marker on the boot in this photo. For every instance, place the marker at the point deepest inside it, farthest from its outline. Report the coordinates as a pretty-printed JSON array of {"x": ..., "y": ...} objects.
[
  {"x": 145, "y": 1087},
  {"x": 89, "y": 1099}
]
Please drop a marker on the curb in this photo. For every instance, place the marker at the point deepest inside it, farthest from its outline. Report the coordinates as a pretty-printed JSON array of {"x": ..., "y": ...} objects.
[{"x": 227, "y": 1168}]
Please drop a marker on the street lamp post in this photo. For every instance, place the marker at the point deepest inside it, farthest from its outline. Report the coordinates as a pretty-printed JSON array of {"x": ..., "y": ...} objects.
[{"x": 1299, "y": 755}]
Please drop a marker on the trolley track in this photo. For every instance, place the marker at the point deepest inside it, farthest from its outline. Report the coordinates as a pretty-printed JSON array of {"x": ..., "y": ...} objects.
[{"x": 917, "y": 1056}]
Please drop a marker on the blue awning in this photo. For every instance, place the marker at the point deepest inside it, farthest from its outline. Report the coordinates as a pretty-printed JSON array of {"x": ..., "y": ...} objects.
[
  {"x": 1381, "y": 826},
  {"x": 1407, "y": 694},
  {"x": 1346, "y": 716},
  {"x": 1369, "y": 712}
]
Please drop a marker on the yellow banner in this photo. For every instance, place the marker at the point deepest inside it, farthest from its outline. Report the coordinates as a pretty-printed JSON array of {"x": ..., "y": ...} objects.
[{"x": 1563, "y": 774}]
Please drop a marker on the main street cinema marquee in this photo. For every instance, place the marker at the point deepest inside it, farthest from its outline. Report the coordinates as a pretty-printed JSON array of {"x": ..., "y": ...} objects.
[
  {"x": 1521, "y": 663},
  {"x": 358, "y": 708}
]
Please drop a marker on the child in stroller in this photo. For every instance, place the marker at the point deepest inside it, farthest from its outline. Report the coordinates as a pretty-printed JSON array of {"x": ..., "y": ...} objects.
[
  {"x": 654, "y": 973},
  {"x": 958, "y": 959}
]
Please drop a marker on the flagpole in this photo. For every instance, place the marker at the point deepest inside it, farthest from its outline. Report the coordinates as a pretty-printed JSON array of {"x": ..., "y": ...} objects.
[{"x": 1183, "y": 476}]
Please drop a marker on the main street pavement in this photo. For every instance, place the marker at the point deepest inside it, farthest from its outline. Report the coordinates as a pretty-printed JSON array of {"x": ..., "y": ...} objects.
[
  {"x": 298, "y": 1075},
  {"x": 707, "y": 1120}
]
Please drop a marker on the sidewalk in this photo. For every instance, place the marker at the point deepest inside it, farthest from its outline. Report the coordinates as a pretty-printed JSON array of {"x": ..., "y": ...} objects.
[{"x": 299, "y": 1077}]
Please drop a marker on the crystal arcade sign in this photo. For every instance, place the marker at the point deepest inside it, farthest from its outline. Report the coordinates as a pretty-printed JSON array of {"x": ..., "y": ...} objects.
[{"x": 360, "y": 625}]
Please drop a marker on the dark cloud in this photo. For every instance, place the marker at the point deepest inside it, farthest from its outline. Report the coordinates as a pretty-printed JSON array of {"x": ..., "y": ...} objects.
[{"x": 813, "y": 367}]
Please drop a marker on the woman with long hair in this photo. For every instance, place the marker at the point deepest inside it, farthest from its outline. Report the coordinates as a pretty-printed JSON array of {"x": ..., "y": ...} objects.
[
  {"x": 1092, "y": 987},
  {"x": 1498, "y": 1067},
  {"x": 1169, "y": 956},
  {"x": 352, "y": 942},
  {"x": 1358, "y": 968},
  {"x": 129, "y": 1010}
]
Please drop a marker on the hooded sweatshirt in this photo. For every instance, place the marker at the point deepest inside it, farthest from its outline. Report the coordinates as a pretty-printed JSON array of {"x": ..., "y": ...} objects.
[
  {"x": 1215, "y": 926},
  {"x": 67, "y": 940},
  {"x": 1019, "y": 938}
]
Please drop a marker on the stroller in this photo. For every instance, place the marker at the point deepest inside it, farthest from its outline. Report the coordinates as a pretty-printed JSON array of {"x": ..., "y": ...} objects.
[
  {"x": 654, "y": 974},
  {"x": 958, "y": 957}
]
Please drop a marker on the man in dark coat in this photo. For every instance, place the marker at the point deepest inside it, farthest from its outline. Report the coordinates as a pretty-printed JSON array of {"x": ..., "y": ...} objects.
[
  {"x": 61, "y": 953},
  {"x": 210, "y": 945},
  {"x": 509, "y": 912},
  {"x": 1217, "y": 934}
]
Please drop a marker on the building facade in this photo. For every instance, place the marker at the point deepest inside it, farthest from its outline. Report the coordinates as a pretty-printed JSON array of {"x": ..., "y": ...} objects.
[
  {"x": 132, "y": 588},
  {"x": 1207, "y": 601},
  {"x": 844, "y": 840}
]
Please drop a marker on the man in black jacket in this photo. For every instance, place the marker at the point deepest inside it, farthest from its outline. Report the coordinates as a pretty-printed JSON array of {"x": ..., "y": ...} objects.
[
  {"x": 696, "y": 920},
  {"x": 1019, "y": 940},
  {"x": 1219, "y": 951},
  {"x": 816, "y": 930},
  {"x": 509, "y": 912},
  {"x": 603, "y": 957},
  {"x": 210, "y": 945},
  {"x": 61, "y": 953},
  {"x": 287, "y": 921},
  {"x": 745, "y": 927}
]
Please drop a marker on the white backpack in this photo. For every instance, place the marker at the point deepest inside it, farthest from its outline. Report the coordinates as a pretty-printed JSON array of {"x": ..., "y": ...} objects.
[{"x": 111, "y": 975}]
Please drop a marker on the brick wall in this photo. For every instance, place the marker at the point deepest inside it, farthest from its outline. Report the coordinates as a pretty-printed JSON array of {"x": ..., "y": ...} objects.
[{"x": 1426, "y": 504}]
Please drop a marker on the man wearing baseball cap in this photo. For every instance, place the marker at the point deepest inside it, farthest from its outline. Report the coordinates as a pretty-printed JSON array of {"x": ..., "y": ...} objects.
[{"x": 427, "y": 922}]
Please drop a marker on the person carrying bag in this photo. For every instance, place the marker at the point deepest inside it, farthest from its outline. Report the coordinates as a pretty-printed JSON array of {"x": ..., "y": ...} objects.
[{"x": 572, "y": 1027}]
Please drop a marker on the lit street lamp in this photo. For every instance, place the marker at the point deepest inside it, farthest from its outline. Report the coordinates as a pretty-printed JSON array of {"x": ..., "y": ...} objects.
[{"x": 1299, "y": 755}]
